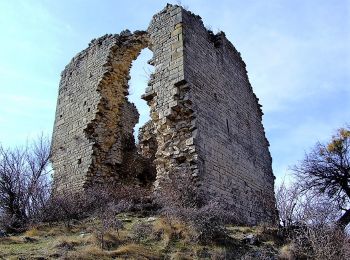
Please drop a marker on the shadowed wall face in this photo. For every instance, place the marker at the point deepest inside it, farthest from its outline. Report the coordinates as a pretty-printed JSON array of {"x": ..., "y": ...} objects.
[
  {"x": 235, "y": 163},
  {"x": 205, "y": 118}
]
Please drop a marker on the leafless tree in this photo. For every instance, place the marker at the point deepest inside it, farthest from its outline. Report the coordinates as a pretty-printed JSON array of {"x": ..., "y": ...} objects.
[
  {"x": 288, "y": 202},
  {"x": 108, "y": 221},
  {"x": 308, "y": 219},
  {"x": 24, "y": 183},
  {"x": 304, "y": 207},
  {"x": 326, "y": 171}
]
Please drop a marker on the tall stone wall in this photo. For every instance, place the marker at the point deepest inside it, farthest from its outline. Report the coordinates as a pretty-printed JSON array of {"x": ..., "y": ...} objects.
[
  {"x": 208, "y": 120},
  {"x": 235, "y": 163},
  {"x": 205, "y": 118},
  {"x": 93, "y": 116}
]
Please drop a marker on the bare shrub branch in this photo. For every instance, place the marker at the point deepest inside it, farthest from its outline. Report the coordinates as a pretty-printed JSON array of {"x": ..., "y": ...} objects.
[
  {"x": 326, "y": 171},
  {"x": 24, "y": 183},
  {"x": 182, "y": 200}
]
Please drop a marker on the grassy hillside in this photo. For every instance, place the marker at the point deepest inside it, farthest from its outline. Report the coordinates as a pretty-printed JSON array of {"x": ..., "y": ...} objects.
[{"x": 139, "y": 238}]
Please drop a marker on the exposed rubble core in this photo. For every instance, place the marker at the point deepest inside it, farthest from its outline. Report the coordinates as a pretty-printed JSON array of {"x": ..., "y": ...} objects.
[{"x": 205, "y": 118}]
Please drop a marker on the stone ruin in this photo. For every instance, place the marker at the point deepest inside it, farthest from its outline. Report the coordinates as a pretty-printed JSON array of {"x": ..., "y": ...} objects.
[{"x": 206, "y": 121}]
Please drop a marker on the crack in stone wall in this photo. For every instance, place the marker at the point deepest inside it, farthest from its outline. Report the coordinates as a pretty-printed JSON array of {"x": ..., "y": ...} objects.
[{"x": 205, "y": 118}]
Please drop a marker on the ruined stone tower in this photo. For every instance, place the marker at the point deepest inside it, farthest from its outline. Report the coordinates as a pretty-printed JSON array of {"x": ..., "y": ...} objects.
[{"x": 205, "y": 118}]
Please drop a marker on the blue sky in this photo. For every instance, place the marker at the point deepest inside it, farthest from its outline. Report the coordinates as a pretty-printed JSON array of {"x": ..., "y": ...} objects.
[{"x": 297, "y": 54}]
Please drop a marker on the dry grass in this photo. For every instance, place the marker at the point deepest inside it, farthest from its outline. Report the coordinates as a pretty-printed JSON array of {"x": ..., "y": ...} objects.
[
  {"x": 11, "y": 240},
  {"x": 69, "y": 243},
  {"x": 111, "y": 240},
  {"x": 56, "y": 231},
  {"x": 180, "y": 256},
  {"x": 87, "y": 253},
  {"x": 172, "y": 230},
  {"x": 18, "y": 247},
  {"x": 263, "y": 233},
  {"x": 241, "y": 229},
  {"x": 134, "y": 250},
  {"x": 169, "y": 239},
  {"x": 33, "y": 232},
  {"x": 129, "y": 251},
  {"x": 162, "y": 232},
  {"x": 286, "y": 252}
]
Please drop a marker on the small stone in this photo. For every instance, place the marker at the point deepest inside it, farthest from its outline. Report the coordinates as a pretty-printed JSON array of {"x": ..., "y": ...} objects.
[
  {"x": 251, "y": 239},
  {"x": 125, "y": 33},
  {"x": 3, "y": 233},
  {"x": 28, "y": 239},
  {"x": 151, "y": 219}
]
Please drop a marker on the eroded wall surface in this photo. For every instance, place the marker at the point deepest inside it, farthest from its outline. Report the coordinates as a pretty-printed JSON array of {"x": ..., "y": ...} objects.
[
  {"x": 205, "y": 118},
  {"x": 167, "y": 96},
  {"x": 94, "y": 119}
]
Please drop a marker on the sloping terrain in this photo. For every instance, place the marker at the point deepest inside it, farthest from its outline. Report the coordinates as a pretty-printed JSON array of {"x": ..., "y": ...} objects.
[{"x": 139, "y": 238}]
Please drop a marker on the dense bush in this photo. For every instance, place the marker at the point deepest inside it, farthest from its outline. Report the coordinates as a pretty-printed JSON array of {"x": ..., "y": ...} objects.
[
  {"x": 95, "y": 201},
  {"x": 308, "y": 223},
  {"x": 209, "y": 221},
  {"x": 180, "y": 199},
  {"x": 320, "y": 242},
  {"x": 66, "y": 208},
  {"x": 179, "y": 191}
]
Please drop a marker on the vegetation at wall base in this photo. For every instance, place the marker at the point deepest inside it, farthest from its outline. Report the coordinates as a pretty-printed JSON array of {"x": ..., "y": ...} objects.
[{"x": 118, "y": 221}]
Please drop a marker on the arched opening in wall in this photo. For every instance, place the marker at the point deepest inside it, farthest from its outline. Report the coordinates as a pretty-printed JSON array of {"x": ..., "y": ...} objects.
[{"x": 140, "y": 73}]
